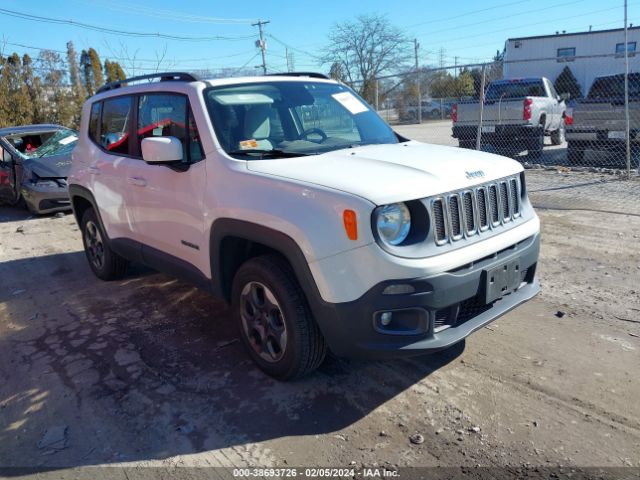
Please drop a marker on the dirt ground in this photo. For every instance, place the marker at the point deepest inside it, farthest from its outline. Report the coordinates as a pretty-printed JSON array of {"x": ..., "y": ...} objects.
[{"x": 148, "y": 371}]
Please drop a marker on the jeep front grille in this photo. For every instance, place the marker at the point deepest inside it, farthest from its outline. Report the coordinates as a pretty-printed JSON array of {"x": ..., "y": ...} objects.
[
  {"x": 469, "y": 212},
  {"x": 439, "y": 228}
]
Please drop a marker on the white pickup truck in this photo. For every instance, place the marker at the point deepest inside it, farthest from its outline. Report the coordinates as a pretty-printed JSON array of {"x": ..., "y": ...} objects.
[{"x": 517, "y": 115}]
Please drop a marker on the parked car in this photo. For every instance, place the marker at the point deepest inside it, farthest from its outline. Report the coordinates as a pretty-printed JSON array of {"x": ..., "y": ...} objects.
[
  {"x": 336, "y": 234},
  {"x": 35, "y": 161},
  {"x": 598, "y": 122},
  {"x": 517, "y": 112},
  {"x": 432, "y": 109}
]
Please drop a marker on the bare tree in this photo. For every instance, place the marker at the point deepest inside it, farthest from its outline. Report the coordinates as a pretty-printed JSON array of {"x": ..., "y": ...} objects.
[{"x": 365, "y": 49}]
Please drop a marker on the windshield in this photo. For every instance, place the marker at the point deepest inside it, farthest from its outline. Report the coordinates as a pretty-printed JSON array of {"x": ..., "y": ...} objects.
[
  {"x": 515, "y": 89},
  {"x": 285, "y": 119},
  {"x": 613, "y": 87},
  {"x": 44, "y": 144}
]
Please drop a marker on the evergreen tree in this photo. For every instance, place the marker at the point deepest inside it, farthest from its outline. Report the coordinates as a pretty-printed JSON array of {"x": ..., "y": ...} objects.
[
  {"x": 91, "y": 70},
  {"x": 113, "y": 71},
  {"x": 19, "y": 110},
  {"x": 464, "y": 84},
  {"x": 5, "y": 100},
  {"x": 74, "y": 73},
  {"x": 96, "y": 68},
  {"x": 34, "y": 87},
  {"x": 567, "y": 83}
]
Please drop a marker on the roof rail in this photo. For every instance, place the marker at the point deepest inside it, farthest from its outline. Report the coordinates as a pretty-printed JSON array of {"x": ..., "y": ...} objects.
[
  {"x": 163, "y": 76},
  {"x": 300, "y": 74}
]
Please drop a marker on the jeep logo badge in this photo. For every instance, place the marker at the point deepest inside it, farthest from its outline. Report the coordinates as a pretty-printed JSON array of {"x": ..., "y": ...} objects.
[{"x": 476, "y": 174}]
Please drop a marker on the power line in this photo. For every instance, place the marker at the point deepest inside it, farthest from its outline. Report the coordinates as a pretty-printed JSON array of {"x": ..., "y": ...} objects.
[
  {"x": 466, "y": 14},
  {"x": 543, "y": 22},
  {"x": 112, "y": 31},
  {"x": 153, "y": 60},
  {"x": 294, "y": 48},
  {"x": 172, "y": 15},
  {"x": 460, "y": 27}
]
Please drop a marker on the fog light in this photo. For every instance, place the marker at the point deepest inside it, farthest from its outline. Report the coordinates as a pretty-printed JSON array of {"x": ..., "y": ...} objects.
[
  {"x": 399, "y": 289},
  {"x": 385, "y": 318}
]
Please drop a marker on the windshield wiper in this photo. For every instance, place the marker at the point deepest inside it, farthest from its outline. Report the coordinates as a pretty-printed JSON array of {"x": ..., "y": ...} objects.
[{"x": 269, "y": 153}]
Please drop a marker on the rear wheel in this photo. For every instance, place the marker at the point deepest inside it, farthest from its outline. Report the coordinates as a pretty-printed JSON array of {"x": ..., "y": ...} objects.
[
  {"x": 105, "y": 263},
  {"x": 276, "y": 325},
  {"x": 575, "y": 154},
  {"x": 535, "y": 145},
  {"x": 469, "y": 144}
]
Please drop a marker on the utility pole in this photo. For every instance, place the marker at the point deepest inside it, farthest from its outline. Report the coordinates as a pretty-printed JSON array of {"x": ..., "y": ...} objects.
[
  {"x": 455, "y": 62},
  {"x": 286, "y": 55},
  {"x": 416, "y": 45},
  {"x": 626, "y": 93},
  {"x": 262, "y": 44}
]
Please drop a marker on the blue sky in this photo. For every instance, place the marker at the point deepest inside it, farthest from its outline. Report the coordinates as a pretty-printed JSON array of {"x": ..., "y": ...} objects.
[{"x": 470, "y": 30}]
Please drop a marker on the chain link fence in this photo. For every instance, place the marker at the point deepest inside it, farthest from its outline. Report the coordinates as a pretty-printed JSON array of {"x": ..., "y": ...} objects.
[{"x": 582, "y": 149}]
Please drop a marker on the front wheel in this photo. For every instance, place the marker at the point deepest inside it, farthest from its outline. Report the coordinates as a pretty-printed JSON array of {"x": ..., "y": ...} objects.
[
  {"x": 558, "y": 136},
  {"x": 105, "y": 263},
  {"x": 276, "y": 325}
]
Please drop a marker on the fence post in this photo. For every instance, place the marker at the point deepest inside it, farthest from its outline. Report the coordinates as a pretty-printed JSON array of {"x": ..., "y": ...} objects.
[
  {"x": 479, "y": 132},
  {"x": 627, "y": 135}
]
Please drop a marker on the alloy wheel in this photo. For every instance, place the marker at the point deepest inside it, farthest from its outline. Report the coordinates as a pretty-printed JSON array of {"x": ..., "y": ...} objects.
[{"x": 263, "y": 321}]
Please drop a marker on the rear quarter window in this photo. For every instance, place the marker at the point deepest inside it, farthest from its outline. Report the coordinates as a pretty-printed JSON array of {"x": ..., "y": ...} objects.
[{"x": 94, "y": 121}]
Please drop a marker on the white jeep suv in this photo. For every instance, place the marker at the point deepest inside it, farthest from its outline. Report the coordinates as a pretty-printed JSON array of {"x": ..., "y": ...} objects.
[{"x": 290, "y": 198}]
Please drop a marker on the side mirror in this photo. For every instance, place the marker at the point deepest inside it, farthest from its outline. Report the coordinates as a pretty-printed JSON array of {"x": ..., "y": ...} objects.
[
  {"x": 563, "y": 97},
  {"x": 161, "y": 149}
]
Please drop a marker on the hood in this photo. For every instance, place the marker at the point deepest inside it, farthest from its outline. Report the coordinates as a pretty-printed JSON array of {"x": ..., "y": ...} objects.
[
  {"x": 393, "y": 173},
  {"x": 56, "y": 166}
]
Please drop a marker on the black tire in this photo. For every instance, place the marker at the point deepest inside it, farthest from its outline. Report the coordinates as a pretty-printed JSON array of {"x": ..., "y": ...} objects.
[
  {"x": 104, "y": 262},
  {"x": 558, "y": 136},
  {"x": 468, "y": 144},
  {"x": 305, "y": 347},
  {"x": 575, "y": 154},
  {"x": 536, "y": 145}
]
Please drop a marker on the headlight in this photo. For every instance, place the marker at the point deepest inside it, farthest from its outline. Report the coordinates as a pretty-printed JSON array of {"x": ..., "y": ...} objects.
[{"x": 393, "y": 223}]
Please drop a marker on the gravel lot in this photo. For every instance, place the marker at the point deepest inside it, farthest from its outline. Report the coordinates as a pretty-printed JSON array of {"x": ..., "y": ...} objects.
[{"x": 148, "y": 371}]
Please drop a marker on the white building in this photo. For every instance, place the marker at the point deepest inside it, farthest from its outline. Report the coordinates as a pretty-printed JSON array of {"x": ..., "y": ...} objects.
[{"x": 588, "y": 54}]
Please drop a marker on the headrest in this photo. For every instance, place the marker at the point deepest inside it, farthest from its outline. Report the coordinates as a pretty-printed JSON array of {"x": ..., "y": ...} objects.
[{"x": 256, "y": 122}]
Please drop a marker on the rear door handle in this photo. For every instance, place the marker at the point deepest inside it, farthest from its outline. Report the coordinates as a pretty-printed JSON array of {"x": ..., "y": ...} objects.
[
  {"x": 137, "y": 181},
  {"x": 94, "y": 170}
]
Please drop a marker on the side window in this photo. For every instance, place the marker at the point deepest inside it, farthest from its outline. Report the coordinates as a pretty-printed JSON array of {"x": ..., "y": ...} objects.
[
  {"x": 94, "y": 119},
  {"x": 114, "y": 131},
  {"x": 166, "y": 115},
  {"x": 552, "y": 90}
]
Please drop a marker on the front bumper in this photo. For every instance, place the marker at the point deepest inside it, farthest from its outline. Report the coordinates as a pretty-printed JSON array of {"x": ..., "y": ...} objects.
[
  {"x": 45, "y": 198},
  {"x": 503, "y": 134},
  {"x": 443, "y": 310}
]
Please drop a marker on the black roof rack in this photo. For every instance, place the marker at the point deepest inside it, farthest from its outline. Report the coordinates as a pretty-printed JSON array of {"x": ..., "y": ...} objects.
[
  {"x": 163, "y": 76},
  {"x": 300, "y": 74}
]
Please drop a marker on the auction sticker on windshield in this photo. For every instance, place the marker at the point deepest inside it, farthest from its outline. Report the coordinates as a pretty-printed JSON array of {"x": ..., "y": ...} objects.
[
  {"x": 67, "y": 140},
  {"x": 350, "y": 102}
]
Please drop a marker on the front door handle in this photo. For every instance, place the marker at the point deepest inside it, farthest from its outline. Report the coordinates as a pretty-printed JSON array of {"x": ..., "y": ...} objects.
[
  {"x": 137, "y": 181},
  {"x": 94, "y": 170}
]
